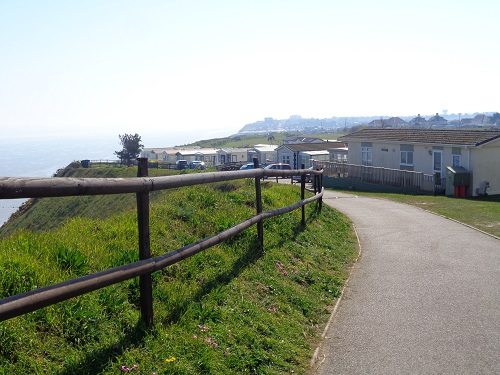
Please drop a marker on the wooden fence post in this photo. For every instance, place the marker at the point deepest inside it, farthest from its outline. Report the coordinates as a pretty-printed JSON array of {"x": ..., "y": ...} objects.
[
  {"x": 258, "y": 204},
  {"x": 145, "y": 283},
  {"x": 302, "y": 194},
  {"x": 320, "y": 188}
]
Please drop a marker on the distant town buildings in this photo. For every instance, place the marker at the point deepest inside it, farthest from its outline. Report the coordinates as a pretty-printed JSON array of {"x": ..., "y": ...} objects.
[
  {"x": 302, "y": 149},
  {"x": 299, "y": 125},
  {"x": 392, "y": 122}
]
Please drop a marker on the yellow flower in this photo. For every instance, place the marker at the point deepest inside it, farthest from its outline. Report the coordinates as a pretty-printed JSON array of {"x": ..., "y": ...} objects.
[{"x": 171, "y": 359}]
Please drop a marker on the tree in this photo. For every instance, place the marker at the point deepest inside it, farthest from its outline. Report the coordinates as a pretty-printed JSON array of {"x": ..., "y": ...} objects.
[{"x": 131, "y": 147}]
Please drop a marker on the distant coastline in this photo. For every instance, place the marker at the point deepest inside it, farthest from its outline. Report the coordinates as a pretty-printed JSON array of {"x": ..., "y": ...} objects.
[{"x": 42, "y": 156}]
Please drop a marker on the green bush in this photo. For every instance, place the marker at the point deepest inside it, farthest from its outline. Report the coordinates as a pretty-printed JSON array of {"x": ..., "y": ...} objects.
[{"x": 71, "y": 260}]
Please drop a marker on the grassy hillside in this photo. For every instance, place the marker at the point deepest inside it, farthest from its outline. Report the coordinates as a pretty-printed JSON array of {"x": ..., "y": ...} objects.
[
  {"x": 49, "y": 213},
  {"x": 251, "y": 140},
  {"x": 232, "y": 309}
]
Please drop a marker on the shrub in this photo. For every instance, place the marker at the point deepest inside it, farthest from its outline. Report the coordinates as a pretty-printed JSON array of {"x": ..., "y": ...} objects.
[{"x": 71, "y": 260}]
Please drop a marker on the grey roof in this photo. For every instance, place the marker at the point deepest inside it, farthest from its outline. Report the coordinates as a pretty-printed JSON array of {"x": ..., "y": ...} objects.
[
  {"x": 396, "y": 120},
  {"x": 302, "y": 140},
  {"x": 437, "y": 118},
  {"x": 388, "y": 121},
  {"x": 263, "y": 148},
  {"x": 312, "y": 146},
  {"x": 234, "y": 149},
  {"x": 417, "y": 119},
  {"x": 429, "y": 136}
]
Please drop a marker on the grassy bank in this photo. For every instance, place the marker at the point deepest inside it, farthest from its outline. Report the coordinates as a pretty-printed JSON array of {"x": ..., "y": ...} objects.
[
  {"x": 252, "y": 139},
  {"x": 49, "y": 213},
  {"x": 229, "y": 310}
]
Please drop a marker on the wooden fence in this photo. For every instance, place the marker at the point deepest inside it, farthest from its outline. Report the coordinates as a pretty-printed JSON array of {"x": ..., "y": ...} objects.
[
  {"x": 377, "y": 175},
  {"x": 101, "y": 163},
  {"x": 142, "y": 185},
  {"x": 154, "y": 164}
]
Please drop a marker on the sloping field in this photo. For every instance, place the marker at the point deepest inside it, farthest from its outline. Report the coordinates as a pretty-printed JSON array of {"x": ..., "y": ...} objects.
[{"x": 232, "y": 309}]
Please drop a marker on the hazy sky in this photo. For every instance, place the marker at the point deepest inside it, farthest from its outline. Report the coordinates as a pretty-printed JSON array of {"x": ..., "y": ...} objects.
[{"x": 195, "y": 69}]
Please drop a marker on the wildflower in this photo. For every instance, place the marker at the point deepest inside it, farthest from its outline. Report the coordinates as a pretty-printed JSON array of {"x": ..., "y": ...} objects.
[
  {"x": 195, "y": 337},
  {"x": 125, "y": 369},
  {"x": 203, "y": 328},
  {"x": 273, "y": 307},
  {"x": 171, "y": 359}
]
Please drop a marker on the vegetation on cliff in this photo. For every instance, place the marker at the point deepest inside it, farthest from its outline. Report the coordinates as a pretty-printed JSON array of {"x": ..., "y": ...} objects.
[{"x": 232, "y": 309}]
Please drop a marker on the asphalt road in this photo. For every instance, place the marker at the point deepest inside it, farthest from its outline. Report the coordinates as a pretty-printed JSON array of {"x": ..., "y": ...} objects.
[{"x": 423, "y": 298}]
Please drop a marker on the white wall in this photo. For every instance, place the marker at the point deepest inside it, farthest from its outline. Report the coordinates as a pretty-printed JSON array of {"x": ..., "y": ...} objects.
[
  {"x": 485, "y": 166},
  {"x": 483, "y": 162},
  {"x": 282, "y": 154},
  {"x": 150, "y": 155},
  {"x": 354, "y": 153},
  {"x": 388, "y": 155},
  {"x": 240, "y": 157}
]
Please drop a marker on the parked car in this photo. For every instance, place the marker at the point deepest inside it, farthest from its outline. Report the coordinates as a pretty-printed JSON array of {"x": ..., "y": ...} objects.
[
  {"x": 181, "y": 164},
  {"x": 250, "y": 166},
  {"x": 308, "y": 177},
  {"x": 278, "y": 166},
  {"x": 197, "y": 164}
]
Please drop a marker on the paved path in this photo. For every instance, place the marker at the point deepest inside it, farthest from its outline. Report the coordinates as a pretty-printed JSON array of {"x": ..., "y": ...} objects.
[{"x": 423, "y": 298}]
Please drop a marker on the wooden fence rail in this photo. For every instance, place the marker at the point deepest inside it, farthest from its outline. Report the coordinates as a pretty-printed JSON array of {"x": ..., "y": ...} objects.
[{"x": 16, "y": 305}]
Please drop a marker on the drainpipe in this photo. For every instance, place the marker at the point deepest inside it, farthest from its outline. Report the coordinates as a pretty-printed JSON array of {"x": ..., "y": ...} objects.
[{"x": 468, "y": 168}]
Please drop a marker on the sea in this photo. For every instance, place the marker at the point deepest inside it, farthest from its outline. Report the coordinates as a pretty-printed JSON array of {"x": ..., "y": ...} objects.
[{"x": 42, "y": 156}]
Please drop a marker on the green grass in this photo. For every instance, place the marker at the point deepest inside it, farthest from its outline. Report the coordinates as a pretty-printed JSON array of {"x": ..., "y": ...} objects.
[
  {"x": 252, "y": 140},
  {"x": 480, "y": 212},
  {"x": 49, "y": 213},
  {"x": 232, "y": 309}
]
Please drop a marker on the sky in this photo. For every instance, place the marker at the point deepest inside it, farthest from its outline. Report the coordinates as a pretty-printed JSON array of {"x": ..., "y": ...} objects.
[{"x": 182, "y": 70}]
